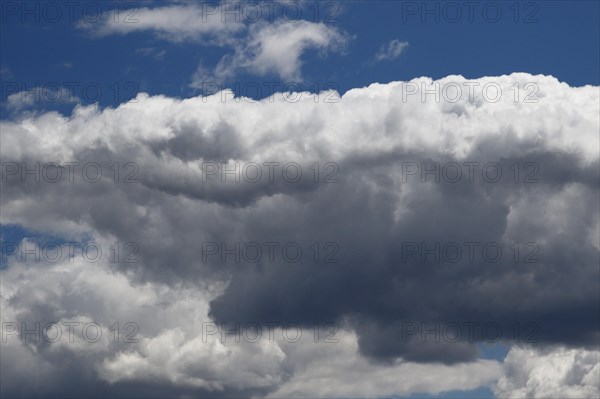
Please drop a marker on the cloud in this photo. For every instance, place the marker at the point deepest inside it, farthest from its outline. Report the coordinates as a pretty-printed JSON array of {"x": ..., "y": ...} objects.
[
  {"x": 177, "y": 23},
  {"x": 277, "y": 48},
  {"x": 39, "y": 96},
  {"x": 550, "y": 373},
  {"x": 370, "y": 133},
  {"x": 338, "y": 370},
  {"x": 157, "y": 54},
  {"x": 64, "y": 65},
  {"x": 274, "y": 48},
  {"x": 173, "y": 353},
  {"x": 5, "y": 71},
  {"x": 392, "y": 51},
  {"x": 169, "y": 351},
  {"x": 259, "y": 47}
]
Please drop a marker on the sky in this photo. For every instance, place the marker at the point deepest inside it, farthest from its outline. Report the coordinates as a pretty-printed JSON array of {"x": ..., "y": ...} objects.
[
  {"x": 413, "y": 186},
  {"x": 555, "y": 38}
]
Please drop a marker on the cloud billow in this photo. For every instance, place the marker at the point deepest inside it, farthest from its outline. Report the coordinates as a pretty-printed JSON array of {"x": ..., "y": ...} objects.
[{"x": 374, "y": 213}]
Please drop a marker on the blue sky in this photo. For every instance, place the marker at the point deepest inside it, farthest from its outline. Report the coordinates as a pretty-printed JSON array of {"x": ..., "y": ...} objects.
[{"x": 554, "y": 37}]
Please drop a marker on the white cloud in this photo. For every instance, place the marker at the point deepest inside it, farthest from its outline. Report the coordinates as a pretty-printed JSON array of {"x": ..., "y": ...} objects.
[
  {"x": 175, "y": 23},
  {"x": 337, "y": 370},
  {"x": 278, "y": 47},
  {"x": 157, "y": 54},
  {"x": 260, "y": 47},
  {"x": 551, "y": 373},
  {"x": 391, "y": 51},
  {"x": 40, "y": 96},
  {"x": 64, "y": 65},
  {"x": 274, "y": 48},
  {"x": 5, "y": 71}
]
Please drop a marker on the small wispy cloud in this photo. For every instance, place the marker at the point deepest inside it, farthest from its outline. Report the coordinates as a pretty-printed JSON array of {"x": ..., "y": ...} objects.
[
  {"x": 39, "y": 96},
  {"x": 176, "y": 23},
  {"x": 5, "y": 72},
  {"x": 64, "y": 65},
  {"x": 390, "y": 51},
  {"x": 157, "y": 54},
  {"x": 276, "y": 48}
]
